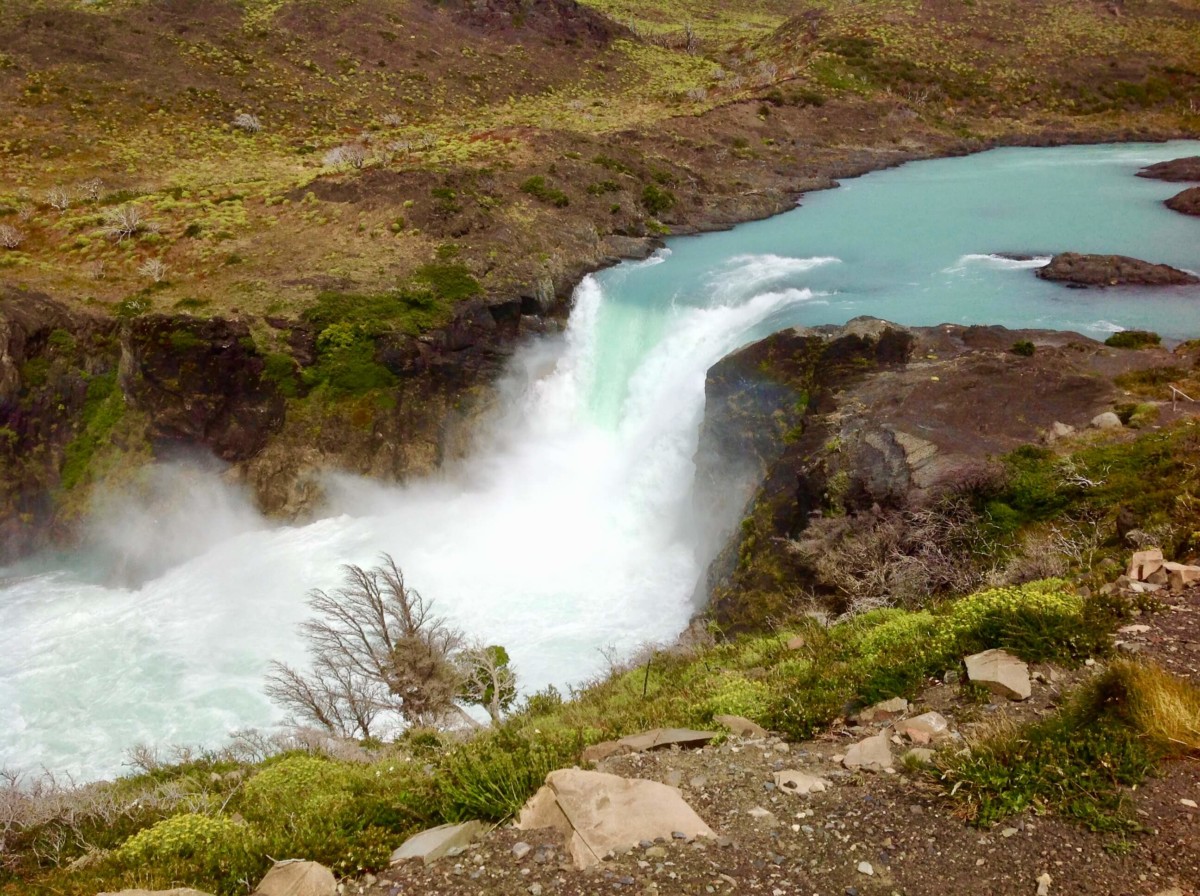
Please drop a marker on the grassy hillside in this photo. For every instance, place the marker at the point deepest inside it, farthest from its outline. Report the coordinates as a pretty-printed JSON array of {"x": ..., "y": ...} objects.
[{"x": 269, "y": 148}]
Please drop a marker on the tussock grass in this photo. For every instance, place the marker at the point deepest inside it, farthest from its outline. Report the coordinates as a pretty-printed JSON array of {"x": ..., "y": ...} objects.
[{"x": 1081, "y": 761}]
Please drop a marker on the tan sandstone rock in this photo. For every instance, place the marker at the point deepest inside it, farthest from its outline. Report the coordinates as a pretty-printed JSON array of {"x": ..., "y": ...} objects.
[
  {"x": 599, "y": 813},
  {"x": 295, "y": 877},
  {"x": 1001, "y": 673}
]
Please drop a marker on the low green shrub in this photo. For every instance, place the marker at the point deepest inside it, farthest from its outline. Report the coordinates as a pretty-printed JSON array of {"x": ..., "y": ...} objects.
[
  {"x": 1024, "y": 348},
  {"x": 1133, "y": 339},
  {"x": 537, "y": 187}
]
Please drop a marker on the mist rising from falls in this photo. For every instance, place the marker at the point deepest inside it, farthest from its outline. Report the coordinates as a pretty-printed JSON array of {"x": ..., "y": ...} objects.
[{"x": 571, "y": 530}]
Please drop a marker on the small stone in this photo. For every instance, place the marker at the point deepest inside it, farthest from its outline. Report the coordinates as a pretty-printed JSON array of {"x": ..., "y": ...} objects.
[
  {"x": 791, "y": 781},
  {"x": 865, "y": 868},
  {"x": 1008, "y": 832},
  {"x": 656, "y": 852},
  {"x": 871, "y": 754},
  {"x": 953, "y": 676},
  {"x": 1044, "y": 880},
  {"x": 521, "y": 850},
  {"x": 678, "y": 835},
  {"x": 1107, "y": 420},
  {"x": 1191, "y": 804},
  {"x": 758, "y": 812},
  {"x": 535, "y": 890},
  {"x": 920, "y": 755}
]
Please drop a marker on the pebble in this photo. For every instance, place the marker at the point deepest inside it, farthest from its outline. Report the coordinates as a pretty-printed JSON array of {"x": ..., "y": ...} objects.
[
  {"x": 656, "y": 852},
  {"x": 521, "y": 850},
  {"x": 678, "y": 835},
  {"x": 865, "y": 868},
  {"x": 535, "y": 890},
  {"x": 1043, "y": 882},
  {"x": 1191, "y": 804},
  {"x": 1008, "y": 832}
]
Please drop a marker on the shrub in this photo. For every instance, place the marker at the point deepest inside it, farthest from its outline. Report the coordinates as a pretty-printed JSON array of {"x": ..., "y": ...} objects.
[
  {"x": 537, "y": 187},
  {"x": 657, "y": 200},
  {"x": 1023, "y": 347},
  {"x": 496, "y": 773},
  {"x": 10, "y": 237},
  {"x": 190, "y": 844},
  {"x": 1132, "y": 339}
]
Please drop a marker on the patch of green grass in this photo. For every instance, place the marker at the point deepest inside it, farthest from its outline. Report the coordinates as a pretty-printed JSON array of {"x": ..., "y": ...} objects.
[{"x": 104, "y": 406}]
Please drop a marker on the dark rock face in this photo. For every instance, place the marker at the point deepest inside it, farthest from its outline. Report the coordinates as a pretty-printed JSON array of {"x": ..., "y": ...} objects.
[
  {"x": 837, "y": 427},
  {"x": 1080, "y": 270},
  {"x": 200, "y": 382},
  {"x": 1187, "y": 202},
  {"x": 1176, "y": 170}
]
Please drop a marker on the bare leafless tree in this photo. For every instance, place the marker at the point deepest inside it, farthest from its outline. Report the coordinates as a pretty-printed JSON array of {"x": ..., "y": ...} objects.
[
  {"x": 127, "y": 221},
  {"x": 154, "y": 268},
  {"x": 58, "y": 198},
  {"x": 376, "y": 646},
  {"x": 245, "y": 121},
  {"x": 353, "y": 154}
]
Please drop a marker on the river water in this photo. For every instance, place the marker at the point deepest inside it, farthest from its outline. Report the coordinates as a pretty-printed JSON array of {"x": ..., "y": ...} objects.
[{"x": 572, "y": 530}]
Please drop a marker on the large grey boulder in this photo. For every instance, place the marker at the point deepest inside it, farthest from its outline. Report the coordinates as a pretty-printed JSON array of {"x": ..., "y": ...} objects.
[
  {"x": 1001, "y": 673},
  {"x": 294, "y": 877},
  {"x": 430, "y": 845},
  {"x": 873, "y": 754},
  {"x": 658, "y": 738},
  {"x": 598, "y": 813}
]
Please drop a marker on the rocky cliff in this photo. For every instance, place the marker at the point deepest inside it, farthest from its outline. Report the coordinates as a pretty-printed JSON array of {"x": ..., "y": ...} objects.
[{"x": 837, "y": 429}]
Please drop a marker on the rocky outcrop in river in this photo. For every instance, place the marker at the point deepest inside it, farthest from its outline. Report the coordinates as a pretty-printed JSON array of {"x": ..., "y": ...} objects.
[
  {"x": 1079, "y": 270},
  {"x": 1187, "y": 202}
]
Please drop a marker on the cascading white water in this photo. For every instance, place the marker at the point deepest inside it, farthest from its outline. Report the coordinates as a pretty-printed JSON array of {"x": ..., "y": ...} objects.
[
  {"x": 573, "y": 528},
  {"x": 571, "y": 531}
]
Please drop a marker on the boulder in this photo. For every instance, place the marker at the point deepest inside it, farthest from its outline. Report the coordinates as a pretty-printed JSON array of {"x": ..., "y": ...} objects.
[
  {"x": 430, "y": 845},
  {"x": 1001, "y": 673},
  {"x": 1144, "y": 564},
  {"x": 873, "y": 754},
  {"x": 599, "y": 813},
  {"x": 740, "y": 726},
  {"x": 1186, "y": 203},
  {"x": 1180, "y": 576},
  {"x": 1076, "y": 269},
  {"x": 926, "y": 728},
  {"x": 801, "y": 783},
  {"x": 603, "y": 750},
  {"x": 293, "y": 877},
  {"x": 658, "y": 738},
  {"x": 1058, "y": 431},
  {"x": 1107, "y": 420},
  {"x": 888, "y": 709},
  {"x": 1175, "y": 170}
]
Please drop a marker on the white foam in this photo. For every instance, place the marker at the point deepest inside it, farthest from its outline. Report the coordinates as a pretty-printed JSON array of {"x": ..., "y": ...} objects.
[{"x": 996, "y": 262}]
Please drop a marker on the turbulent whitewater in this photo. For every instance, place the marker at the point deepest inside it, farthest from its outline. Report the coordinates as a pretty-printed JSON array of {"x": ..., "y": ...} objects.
[{"x": 572, "y": 529}]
